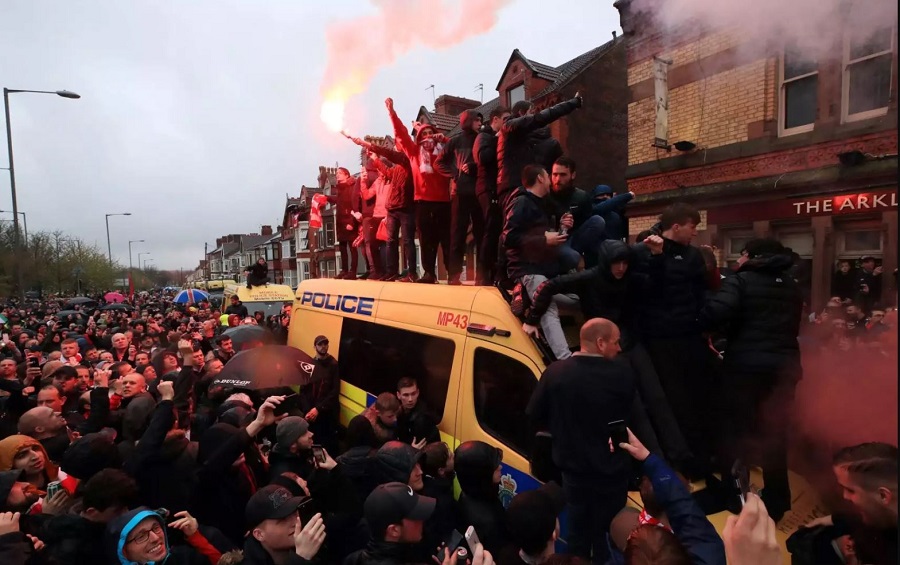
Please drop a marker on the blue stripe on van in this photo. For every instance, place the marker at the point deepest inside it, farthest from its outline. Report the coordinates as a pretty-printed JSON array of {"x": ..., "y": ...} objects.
[{"x": 370, "y": 399}]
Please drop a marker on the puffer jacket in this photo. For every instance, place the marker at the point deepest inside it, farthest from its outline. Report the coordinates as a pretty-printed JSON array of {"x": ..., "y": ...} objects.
[
  {"x": 677, "y": 285},
  {"x": 346, "y": 198},
  {"x": 759, "y": 309},
  {"x": 458, "y": 153},
  {"x": 527, "y": 252},
  {"x": 394, "y": 461},
  {"x": 384, "y": 553},
  {"x": 515, "y": 145},
  {"x": 485, "y": 155},
  {"x": 571, "y": 200}
]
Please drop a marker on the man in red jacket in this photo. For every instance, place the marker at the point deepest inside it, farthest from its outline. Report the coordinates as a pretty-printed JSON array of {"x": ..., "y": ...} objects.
[{"x": 432, "y": 190}]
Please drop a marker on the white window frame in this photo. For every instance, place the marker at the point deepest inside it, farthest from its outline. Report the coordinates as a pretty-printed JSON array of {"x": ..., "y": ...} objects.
[
  {"x": 845, "y": 81},
  {"x": 782, "y": 106},
  {"x": 509, "y": 93},
  {"x": 843, "y": 253},
  {"x": 730, "y": 235}
]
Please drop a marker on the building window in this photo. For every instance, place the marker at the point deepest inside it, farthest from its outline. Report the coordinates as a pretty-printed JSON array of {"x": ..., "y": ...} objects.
[
  {"x": 516, "y": 94},
  {"x": 304, "y": 270},
  {"x": 734, "y": 244},
  {"x": 862, "y": 242},
  {"x": 329, "y": 232},
  {"x": 798, "y": 93},
  {"x": 330, "y": 270},
  {"x": 867, "y": 73},
  {"x": 374, "y": 357},
  {"x": 503, "y": 387}
]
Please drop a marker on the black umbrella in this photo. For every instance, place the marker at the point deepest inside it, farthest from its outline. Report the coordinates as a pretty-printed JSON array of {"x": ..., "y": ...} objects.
[
  {"x": 269, "y": 366},
  {"x": 79, "y": 300},
  {"x": 116, "y": 306},
  {"x": 242, "y": 335},
  {"x": 66, "y": 313}
]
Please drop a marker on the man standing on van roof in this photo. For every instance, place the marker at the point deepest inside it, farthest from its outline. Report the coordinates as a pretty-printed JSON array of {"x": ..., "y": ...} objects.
[
  {"x": 575, "y": 400},
  {"x": 237, "y": 307}
]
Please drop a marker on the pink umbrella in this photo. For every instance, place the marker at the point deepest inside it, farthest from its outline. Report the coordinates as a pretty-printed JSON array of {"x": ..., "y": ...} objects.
[{"x": 114, "y": 297}]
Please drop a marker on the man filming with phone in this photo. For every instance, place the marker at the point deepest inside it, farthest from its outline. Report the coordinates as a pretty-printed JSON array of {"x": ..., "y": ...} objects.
[{"x": 576, "y": 400}]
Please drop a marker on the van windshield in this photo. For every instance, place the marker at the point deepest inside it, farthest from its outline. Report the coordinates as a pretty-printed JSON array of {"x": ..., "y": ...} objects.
[{"x": 267, "y": 308}]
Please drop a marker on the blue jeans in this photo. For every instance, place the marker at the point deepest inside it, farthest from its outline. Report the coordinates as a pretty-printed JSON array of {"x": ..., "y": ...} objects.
[
  {"x": 584, "y": 241},
  {"x": 406, "y": 220}
]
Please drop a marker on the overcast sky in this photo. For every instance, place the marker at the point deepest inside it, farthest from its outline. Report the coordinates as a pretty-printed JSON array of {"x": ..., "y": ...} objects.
[{"x": 199, "y": 116}]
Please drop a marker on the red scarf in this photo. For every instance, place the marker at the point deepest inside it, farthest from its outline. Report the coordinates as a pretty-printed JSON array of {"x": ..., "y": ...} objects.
[{"x": 646, "y": 518}]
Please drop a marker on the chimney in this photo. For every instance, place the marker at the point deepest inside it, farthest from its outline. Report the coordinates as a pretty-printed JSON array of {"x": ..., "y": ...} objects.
[
  {"x": 614, "y": 35},
  {"x": 218, "y": 242},
  {"x": 453, "y": 105},
  {"x": 266, "y": 230}
]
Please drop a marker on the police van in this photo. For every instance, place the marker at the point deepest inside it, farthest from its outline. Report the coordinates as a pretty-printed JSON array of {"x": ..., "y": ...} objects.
[
  {"x": 476, "y": 369},
  {"x": 268, "y": 299}
]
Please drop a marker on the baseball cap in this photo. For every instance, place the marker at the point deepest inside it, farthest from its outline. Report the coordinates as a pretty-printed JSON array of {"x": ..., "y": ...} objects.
[
  {"x": 392, "y": 503},
  {"x": 272, "y": 502},
  {"x": 319, "y": 339},
  {"x": 289, "y": 430},
  {"x": 531, "y": 516},
  {"x": 7, "y": 480}
]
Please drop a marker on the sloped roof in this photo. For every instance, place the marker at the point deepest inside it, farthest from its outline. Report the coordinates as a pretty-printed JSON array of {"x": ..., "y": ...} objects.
[
  {"x": 485, "y": 110},
  {"x": 442, "y": 122},
  {"x": 570, "y": 69}
]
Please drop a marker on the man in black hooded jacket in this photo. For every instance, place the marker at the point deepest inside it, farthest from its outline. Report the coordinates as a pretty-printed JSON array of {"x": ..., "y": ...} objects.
[
  {"x": 457, "y": 162},
  {"x": 610, "y": 290},
  {"x": 485, "y": 153},
  {"x": 759, "y": 309}
]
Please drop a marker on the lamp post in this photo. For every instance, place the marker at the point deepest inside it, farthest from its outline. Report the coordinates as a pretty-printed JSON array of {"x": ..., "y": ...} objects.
[
  {"x": 24, "y": 221},
  {"x": 12, "y": 175},
  {"x": 139, "y": 257},
  {"x": 108, "y": 245},
  {"x": 145, "y": 263}
]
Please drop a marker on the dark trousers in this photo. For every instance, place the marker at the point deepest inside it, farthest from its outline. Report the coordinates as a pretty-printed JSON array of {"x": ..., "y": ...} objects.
[
  {"x": 487, "y": 251},
  {"x": 684, "y": 368},
  {"x": 504, "y": 202},
  {"x": 659, "y": 412},
  {"x": 349, "y": 256},
  {"x": 404, "y": 220},
  {"x": 463, "y": 209},
  {"x": 593, "y": 501},
  {"x": 373, "y": 246},
  {"x": 755, "y": 413},
  {"x": 433, "y": 219}
]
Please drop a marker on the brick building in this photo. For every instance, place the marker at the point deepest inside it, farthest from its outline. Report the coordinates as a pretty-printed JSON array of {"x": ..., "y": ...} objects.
[{"x": 771, "y": 143}]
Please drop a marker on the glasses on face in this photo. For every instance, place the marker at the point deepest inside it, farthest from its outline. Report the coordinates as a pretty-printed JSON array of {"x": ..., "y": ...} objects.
[{"x": 145, "y": 535}]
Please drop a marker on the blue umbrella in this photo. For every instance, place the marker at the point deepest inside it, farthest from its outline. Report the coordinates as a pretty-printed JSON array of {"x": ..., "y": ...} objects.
[{"x": 189, "y": 296}]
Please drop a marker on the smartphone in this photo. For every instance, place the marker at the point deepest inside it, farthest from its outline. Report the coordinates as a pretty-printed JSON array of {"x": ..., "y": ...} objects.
[
  {"x": 741, "y": 475},
  {"x": 34, "y": 362},
  {"x": 290, "y": 402},
  {"x": 618, "y": 433},
  {"x": 452, "y": 542},
  {"x": 471, "y": 538},
  {"x": 318, "y": 453},
  {"x": 53, "y": 488}
]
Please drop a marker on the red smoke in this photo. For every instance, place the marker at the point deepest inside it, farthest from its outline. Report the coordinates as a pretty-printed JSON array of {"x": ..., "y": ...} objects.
[{"x": 358, "y": 48}]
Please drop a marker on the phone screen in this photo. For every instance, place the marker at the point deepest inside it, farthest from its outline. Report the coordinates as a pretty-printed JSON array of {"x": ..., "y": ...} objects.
[
  {"x": 741, "y": 475},
  {"x": 452, "y": 542},
  {"x": 618, "y": 433},
  {"x": 318, "y": 453},
  {"x": 289, "y": 403},
  {"x": 34, "y": 362}
]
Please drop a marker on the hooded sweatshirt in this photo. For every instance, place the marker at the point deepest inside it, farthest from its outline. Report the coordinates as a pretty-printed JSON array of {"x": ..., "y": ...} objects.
[
  {"x": 457, "y": 154},
  {"x": 429, "y": 184},
  {"x": 119, "y": 528}
]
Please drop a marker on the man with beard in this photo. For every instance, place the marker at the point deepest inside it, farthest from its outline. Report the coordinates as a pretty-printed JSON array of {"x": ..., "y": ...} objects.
[
  {"x": 48, "y": 427},
  {"x": 432, "y": 191},
  {"x": 16, "y": 495},
  {"x": 319, "y": 400},
  {"x": 586, "y": 230},
  {"x": 867, "y": 474}
]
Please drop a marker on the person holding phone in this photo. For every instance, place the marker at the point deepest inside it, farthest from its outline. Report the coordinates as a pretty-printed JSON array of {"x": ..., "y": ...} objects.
[
  {"x": 685, "y": 517},
  {"x": 575, "y": 401}
]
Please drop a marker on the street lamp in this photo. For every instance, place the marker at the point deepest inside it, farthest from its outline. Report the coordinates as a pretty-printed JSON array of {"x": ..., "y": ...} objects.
[
  {"x": 147, "y": 261},
  {"x": 108, "y": 246},
  {"x": 139, "y": 257},
  {"x": 12, "y": 175},
  {"x": 24, "y": 221}
]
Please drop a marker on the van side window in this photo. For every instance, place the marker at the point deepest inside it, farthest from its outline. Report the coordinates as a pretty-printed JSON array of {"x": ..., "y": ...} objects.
[
  {"x": 374, "y": 357},
  {"x": 503, "y": 387}
]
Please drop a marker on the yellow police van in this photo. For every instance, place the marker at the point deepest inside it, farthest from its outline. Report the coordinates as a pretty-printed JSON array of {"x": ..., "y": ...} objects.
[
  {"x": 268, "y": 299},
  {"x": 476, "y": 369}
]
